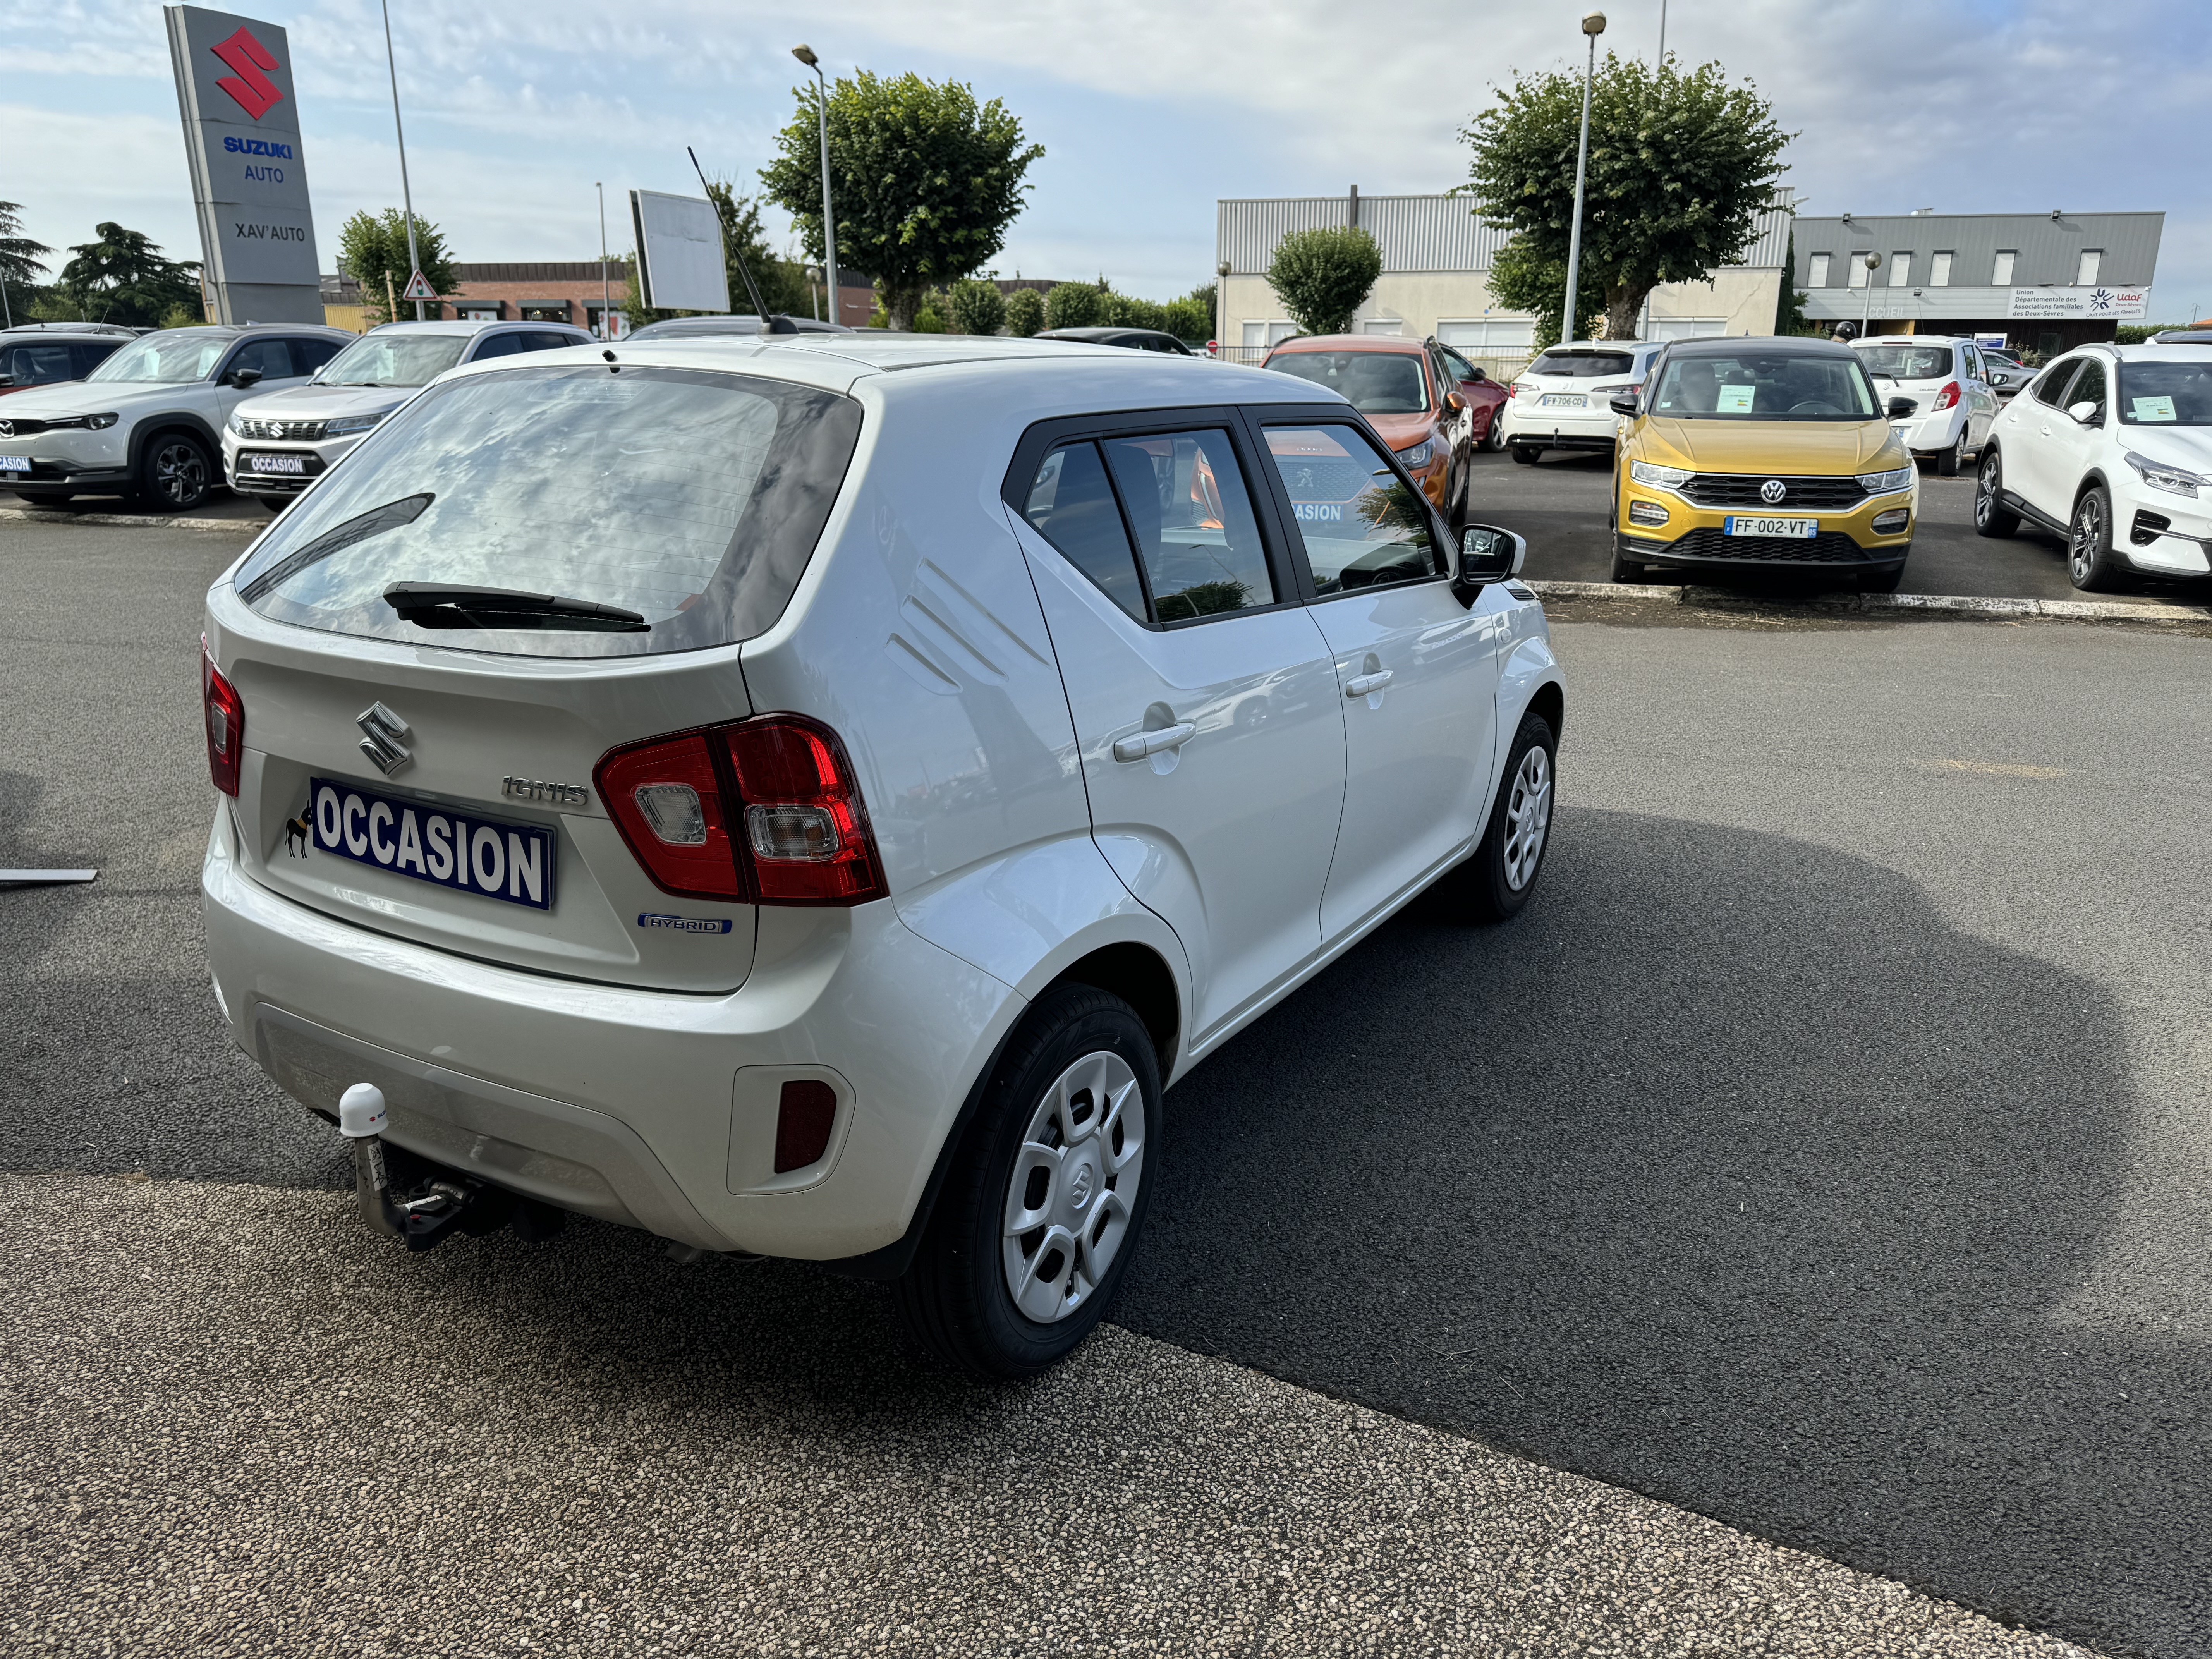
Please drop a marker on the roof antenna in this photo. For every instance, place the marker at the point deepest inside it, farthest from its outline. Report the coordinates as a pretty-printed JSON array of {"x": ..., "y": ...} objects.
[{"x": 778, "y": 324}]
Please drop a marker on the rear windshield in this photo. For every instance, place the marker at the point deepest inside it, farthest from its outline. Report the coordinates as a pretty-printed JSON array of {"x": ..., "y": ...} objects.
[
  {"x": 394, "y": 359},
  {"x": 1756, "y": 385},
  {"x": 2166, "y": 394},
  {"x": 690, "y": 499},
  {"x": 1582, "y": 365},
  {"x": 1907, "y": 362},
  {"x": 1374, "y": 382}
]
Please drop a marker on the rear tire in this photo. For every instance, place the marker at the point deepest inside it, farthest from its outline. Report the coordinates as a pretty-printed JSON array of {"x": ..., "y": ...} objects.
[
  {"x": 174, "y": 474},
  {"x": 1501, "y": 876},
  {"x": 1949, "y": 463},
  {"x": 1991, "y": 517},
  {"x": 1063, "y": 1134},
  {"x": 2089, "y": 563}
]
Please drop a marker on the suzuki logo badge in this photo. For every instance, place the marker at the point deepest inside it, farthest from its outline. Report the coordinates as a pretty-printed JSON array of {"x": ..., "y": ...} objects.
[
  {"x": 247, "y": 59},
  {"x": 1772, "y": 491},
  {"x": 382, "y": 744}
]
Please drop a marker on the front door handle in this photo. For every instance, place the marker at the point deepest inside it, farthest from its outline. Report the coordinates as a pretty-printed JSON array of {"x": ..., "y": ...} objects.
[
  {"x": 1145, "y": 744},
  {"x": 1361, "y": 686}
]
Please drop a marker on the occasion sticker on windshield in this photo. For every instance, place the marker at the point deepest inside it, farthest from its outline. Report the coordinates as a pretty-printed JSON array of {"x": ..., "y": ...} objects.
[
  {"x": 510, "y": 862},
  {"x": 1318, "y": 512},
  {"x": 1735, "y": 400},
  {"x": 2153, "y": 408}
]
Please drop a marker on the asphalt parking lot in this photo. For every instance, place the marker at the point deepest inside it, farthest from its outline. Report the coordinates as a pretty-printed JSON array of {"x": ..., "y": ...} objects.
[{"x": 1825, "y": 1152}]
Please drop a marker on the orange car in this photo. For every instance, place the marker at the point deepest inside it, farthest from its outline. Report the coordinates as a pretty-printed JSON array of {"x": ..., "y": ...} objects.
[{"x": 1428, "y": 403}]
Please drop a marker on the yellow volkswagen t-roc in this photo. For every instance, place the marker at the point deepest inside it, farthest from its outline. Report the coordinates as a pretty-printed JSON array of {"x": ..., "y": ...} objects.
[{"x": 1766, "y": 455}]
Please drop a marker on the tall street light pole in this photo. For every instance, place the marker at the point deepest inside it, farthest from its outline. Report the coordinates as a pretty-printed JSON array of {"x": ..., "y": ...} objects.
[
  {"x": 406, "y": 196},
  {"x": 1662, "y": 33},
  {"x": 1592, "y": 25},
  {"x": 804, "y": 54},
  {"x": 1866, "y": 306}
]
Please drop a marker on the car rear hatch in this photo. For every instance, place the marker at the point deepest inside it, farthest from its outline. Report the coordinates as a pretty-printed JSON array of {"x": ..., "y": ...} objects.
[{"x": 516, "y": 574}]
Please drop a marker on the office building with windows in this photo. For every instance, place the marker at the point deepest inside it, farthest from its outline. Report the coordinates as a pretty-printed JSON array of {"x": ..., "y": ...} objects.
[
  {"x": 2045, "y": 281},
  {"x": 1436, "y": 261}
]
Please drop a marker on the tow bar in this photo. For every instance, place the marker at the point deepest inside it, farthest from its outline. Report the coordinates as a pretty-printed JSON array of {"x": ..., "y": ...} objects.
[{"x": 424, "y": 1215}]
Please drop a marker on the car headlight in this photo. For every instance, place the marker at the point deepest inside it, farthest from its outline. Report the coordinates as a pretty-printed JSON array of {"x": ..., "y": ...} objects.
[
  {"x": 2172, "y": 479},
  {"x": 101, "y": 423},
  {"x": 1420, "y": 454},
  {"x": 1886, "y": 483},
  {"x": 1659, "y": 477},
  {"x": 345, "y": 425},
  {"x": 237, "y": 425}
]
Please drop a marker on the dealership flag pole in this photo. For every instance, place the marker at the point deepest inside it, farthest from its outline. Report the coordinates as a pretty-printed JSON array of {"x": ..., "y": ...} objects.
[
  {"x": 406, "y": 196},
  {"x": 1592, "y": 25}
]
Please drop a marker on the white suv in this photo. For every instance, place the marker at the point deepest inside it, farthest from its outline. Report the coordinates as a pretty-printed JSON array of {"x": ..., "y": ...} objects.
[
  {"x": 273, "y": 448},
  {"x": 144, "y": 423},
  {"x": 810, "y": 797},
  {"x": 1564, "y": 400},
  {"x": 2111, "y": 448},
  {"x": 1944, "y": 379}
]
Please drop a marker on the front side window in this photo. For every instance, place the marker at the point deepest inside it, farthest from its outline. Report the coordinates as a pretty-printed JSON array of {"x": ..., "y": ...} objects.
[
  {"x": 1372, "y": 382},
  {"x": 2089, "y": 388},
  {"x": 2050, "y": 387},
  {"x": 1754, "y": 385},
  {"x": 1461, "y": 369},
  {"x": 394, "y": 359},
  {"x": 2166, "y": 394},
  {"x": 663, "y": 510},
  {"x": 166, "y": 358},
  {"x": 270, "y": 359},
  {"x": 1359, "y": 524},
  {"x": 36, "y": 365}
]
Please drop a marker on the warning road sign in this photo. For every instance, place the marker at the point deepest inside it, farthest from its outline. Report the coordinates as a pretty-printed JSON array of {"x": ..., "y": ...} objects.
[{"x": 418, "y": 287}]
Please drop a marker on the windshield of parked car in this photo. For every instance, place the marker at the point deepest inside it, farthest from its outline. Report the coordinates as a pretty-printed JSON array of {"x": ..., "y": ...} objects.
[
  {"x": 164, "y": 359},
  {"x": 1374, "y": 382},
  {"x": 1756, "y": 385},
  {"x": 691, "y": 498},
  {"x": 2166, "y": 394},
  {"x": 1582, "y": 365},
  {"x": 394, "y": 359},
  {"x": 1907, "y": 362}
]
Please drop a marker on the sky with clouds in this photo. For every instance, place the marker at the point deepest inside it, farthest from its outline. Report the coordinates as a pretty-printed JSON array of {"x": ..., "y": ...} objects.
[{"x": 1149, "y": 110}]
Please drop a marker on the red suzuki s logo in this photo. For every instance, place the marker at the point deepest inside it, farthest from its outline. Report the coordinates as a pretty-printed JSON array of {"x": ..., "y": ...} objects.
[{"x": 249, "y": 88}]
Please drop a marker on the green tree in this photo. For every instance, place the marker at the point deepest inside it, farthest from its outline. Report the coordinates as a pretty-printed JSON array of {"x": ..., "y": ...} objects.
[
  {"x": 1521, "y": 279},
  {"x": 1192, "y": 317},
  {"x": 1024, "y": 313},
  {"x": 1789, "y": 304},
  {"x": 20, "y": 264},
  {"x": 124, "y": 277},
  {"x": 1322, "y": 275},
  {"x": 1075, "y": 304},
  {"x": 372, "y": 246},
  {"x": 926, "y": 180},
  {"x": 1680, "y": 167},
  {"x": 974, "y": 307},
  {"x": 782, "y": 281},
  {"x": 1126, "y": 310}
]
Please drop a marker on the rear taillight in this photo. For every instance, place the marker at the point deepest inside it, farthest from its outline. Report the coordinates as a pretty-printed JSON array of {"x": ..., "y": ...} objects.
[
  {"x": 1949, "y": 395},
  {"x": 764, "y": 811},
  {"x": 225, "y": 714}
]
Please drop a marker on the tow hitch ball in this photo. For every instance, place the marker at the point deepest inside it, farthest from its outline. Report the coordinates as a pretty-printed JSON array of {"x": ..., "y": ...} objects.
[{"x": 424, "y": 1215}]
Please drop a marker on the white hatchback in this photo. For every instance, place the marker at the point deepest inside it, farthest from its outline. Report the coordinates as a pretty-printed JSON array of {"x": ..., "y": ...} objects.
[
  {"x": 1943, "y": 378},
  {"x": 811, "y": 797},
  {"x": 1564, "y": 400}
]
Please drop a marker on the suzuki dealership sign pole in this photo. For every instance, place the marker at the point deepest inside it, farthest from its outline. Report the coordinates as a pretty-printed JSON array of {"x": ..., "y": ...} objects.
[{"x": 249, "y": 178}]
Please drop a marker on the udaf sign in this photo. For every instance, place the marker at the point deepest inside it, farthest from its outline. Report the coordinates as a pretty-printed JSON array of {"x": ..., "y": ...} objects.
[{"x": 241, "y": 117}]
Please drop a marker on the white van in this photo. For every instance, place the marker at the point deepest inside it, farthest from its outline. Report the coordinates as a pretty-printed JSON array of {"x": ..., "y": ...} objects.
[{"x": 811, "y": 797}]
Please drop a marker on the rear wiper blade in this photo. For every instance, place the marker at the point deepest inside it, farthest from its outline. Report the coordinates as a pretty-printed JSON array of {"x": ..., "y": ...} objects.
[{"x": 448, "y": 604}]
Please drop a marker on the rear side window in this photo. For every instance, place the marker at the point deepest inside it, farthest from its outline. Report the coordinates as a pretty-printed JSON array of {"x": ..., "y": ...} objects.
[
  {"x": 545, "y": 340},
  {"x": 496, "y": 345},
  {"x": 1072, "y": 505},
  {"x": 690, "y": 501},
  {"x": 310, "y": 353},
  {"x": 1582, "y": 365}
]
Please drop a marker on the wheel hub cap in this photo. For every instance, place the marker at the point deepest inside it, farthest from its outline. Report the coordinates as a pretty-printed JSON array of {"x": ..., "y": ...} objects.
[
  {"x": 1073, "y": 1187},
  {"x": 1528, "y": 817}
]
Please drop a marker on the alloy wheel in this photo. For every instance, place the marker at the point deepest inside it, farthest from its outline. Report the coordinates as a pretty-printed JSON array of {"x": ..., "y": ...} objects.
[
  {"x": 1074, "y": 1186},
  {"x": 179, "y": 473},
  {"x": 1528, "y": 816},
  {"x": 2081, "y": 552},
  {"x": 1985, "y": 496}
]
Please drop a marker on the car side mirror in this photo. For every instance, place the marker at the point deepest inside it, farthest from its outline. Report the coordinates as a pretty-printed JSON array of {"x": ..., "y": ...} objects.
[
  {"x": 1454, "y": 402},
  {"x": 1623, "y": 403},
  {"x": 242, "y": 378},
  {"x": 7, "y": 380},
  {"x": 1900, "y": 408},
  {"x": 2087, "y": 413},
  {"x": 1475, "y": 376},
  {"x": 1486, "y": 554}
]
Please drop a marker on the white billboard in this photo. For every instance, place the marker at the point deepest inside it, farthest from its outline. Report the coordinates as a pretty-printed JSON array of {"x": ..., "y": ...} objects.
[
  {"x": 2124, "y": 305},
  {"x": 242, "y": 120},
  {"x": 680, "y": 266}
]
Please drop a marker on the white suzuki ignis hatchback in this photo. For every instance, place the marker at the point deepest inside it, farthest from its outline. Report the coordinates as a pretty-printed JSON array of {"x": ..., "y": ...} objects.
[{"x": 810, "y": 796}]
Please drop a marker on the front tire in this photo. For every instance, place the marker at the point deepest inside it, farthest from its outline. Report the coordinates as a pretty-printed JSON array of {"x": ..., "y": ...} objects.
[
  {"x": 1501, "y": 876},
  {"x": 1042, "y": 1210},
  {"x": 1991, "y": 517},
  {"x": 174, "y": 474},
  {"x": 2089, "y": 563},
  {"x": 1494, "y": 439}
]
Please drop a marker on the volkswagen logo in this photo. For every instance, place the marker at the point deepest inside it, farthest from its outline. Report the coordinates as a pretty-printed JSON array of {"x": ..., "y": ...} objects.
[{"x": 1772, "y": 491}]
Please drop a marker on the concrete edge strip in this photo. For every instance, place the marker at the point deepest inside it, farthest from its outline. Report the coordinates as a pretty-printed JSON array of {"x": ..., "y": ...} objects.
[
  {"x": 2056, "y": 610},
  {"x": 146, "y": 521}
]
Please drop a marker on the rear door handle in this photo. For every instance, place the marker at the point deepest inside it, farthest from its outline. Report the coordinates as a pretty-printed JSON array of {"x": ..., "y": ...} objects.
[
  {"x": 1360, "y": 685},
  {"x": 1147, "y": 743}
]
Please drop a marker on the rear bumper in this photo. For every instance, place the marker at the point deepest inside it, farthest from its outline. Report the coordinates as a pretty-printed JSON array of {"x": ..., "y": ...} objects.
[{"x": 651, "y": 1109}]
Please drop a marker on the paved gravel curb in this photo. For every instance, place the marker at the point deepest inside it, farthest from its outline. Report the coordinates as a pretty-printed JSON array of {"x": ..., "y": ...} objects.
[
  {"x": 1709, "y": 598},
  {"x": 143, "y": 520},
  {"x": 239, "y": 1425}
]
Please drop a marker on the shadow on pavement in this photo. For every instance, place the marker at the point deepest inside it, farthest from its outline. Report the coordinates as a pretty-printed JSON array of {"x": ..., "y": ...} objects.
[{"x": 1663, "y": 1183}]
